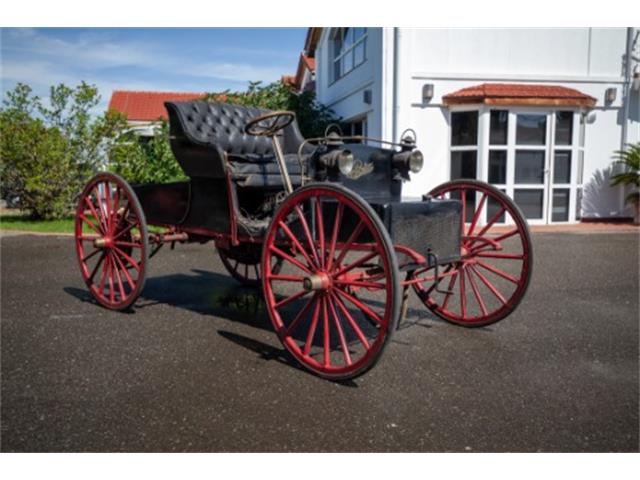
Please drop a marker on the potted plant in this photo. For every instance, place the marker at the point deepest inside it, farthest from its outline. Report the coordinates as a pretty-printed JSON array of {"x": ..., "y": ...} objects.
[{"x": 630, "y": 159}]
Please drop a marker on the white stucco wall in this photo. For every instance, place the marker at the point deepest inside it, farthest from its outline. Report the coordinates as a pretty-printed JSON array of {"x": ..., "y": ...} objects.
[
  {"x": 589, "y": 60},
  {"x": 345, "y": 96}
]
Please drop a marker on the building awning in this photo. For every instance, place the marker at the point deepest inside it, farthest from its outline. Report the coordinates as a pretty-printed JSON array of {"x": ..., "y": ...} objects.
[{"x": 516, "y": 94}]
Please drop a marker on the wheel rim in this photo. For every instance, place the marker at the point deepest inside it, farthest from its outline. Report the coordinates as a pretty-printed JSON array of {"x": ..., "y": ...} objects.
[
  {"x": 495, "y": 267},
  {"x": 329, "y": 284},
  {"x": 111, "y": 241}
]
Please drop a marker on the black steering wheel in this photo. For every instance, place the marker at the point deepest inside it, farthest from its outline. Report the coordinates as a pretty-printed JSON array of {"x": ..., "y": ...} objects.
[{"x": 269, "y": 124}]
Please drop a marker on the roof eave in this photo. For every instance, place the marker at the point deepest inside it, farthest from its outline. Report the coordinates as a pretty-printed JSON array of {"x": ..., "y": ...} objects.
[{"x": 521, "y": 101}]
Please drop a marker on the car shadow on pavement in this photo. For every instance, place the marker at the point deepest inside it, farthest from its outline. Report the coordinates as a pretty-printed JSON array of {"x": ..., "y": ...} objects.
[{"x": 209, "y": 293}]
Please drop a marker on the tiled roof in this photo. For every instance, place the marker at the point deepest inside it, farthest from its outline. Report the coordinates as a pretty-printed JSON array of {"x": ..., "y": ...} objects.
[
  {"x": 310, "y": 62},
  {"x": 519, "y": 94},
  {"x": 146, "y": 106}
]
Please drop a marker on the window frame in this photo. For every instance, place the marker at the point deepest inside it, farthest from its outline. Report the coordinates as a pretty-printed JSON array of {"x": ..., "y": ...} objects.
[
  {"x": 577, "y": 149},
  {"x": 350, "y": 50},
  {"x": 463, "y": 148}
]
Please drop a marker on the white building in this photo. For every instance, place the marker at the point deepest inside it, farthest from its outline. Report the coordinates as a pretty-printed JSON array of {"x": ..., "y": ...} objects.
[{"x": 549, "y": 148}]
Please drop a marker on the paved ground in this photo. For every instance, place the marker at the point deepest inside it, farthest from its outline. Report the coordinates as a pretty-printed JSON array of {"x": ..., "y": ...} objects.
[{"x": 196, "y": 367}]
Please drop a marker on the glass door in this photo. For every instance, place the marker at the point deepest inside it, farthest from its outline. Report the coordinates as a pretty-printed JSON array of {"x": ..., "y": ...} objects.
[{"x": 530, "y": 153}]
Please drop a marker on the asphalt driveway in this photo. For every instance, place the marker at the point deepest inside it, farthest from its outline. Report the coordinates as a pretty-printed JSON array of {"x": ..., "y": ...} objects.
[{"x": 196, "y": 366}]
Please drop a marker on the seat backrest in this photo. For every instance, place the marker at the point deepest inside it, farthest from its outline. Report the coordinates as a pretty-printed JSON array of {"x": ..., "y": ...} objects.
[{"x": 218, "y": 128}]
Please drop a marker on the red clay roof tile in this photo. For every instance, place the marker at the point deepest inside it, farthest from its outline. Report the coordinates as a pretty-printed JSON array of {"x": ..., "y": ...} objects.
[
  {"x": 146, "y": 106},
  {"x": 519, "y": 94}
]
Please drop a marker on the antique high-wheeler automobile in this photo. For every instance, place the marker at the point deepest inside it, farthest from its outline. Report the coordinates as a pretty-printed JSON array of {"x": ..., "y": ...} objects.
[{"x": 319, "y": 223}]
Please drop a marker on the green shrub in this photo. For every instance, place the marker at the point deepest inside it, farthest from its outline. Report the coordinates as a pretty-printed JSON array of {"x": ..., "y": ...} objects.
[{"x": 145, "y": 159}]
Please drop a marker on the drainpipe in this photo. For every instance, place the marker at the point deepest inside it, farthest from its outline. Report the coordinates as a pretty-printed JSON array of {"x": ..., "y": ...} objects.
[
  {"x": 626, "y": 88},
  {"x": 396, "y": 87}
]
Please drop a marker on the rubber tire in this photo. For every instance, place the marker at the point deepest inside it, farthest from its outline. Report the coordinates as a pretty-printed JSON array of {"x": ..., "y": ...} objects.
[{"x": 393, "y": 262}]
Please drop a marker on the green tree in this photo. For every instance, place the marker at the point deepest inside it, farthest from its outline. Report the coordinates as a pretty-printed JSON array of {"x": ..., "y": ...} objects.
[
  {"x": 312, "y": 117},
  {"x": 47, "y": 152},
  {"x": 145, "y": 159}
]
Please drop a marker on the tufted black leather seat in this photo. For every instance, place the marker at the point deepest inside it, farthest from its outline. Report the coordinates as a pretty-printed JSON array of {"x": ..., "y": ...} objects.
[{"x": 208, "y": 139}]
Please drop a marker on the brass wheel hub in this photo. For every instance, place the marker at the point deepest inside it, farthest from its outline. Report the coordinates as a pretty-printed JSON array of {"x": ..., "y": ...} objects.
[{"x": 319, "y": 281}]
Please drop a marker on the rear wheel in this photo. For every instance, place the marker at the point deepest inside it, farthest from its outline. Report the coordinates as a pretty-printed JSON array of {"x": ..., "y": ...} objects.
[
  {"x": 242, "y": 262},
  {"x": 112, "y": 243},
  {"x": 330, "y": 279},
  {"x": 493, "y": 273}
]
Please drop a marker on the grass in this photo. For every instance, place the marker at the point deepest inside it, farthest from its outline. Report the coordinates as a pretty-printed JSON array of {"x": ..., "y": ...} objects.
[{"x": 24, "y": 223}]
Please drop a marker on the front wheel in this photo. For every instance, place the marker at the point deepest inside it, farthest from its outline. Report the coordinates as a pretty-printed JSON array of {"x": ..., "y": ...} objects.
[
  {"x": 330, "y": 280},
  {"x": 496, "y": 259},
  {"x": 112, "y": 243}
]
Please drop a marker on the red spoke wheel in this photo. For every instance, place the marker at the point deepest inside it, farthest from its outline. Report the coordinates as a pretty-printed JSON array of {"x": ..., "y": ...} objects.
[
  {"x": 242, "y": 263},
  {"x": 112, "y": 243},
  {"x": 493, "y": 273},
  {"x": 330, "y": 280}
]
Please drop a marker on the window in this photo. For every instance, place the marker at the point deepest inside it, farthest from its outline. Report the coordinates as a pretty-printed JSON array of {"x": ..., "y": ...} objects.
[
  {"x": 464, "y": 129},
  {"x": 356, "y": 127},
  {"x": 349, "y": 49},
  {"x": 562, "y": 159},
  {"x": 464, "y": 152},
  {"x": 464, "y": 145},
  {"x": 535, "y": 155},
  {"x": 531, "y": 129}
]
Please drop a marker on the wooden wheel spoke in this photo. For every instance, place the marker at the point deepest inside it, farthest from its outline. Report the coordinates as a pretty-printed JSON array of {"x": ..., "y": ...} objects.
[
  {"x": 307, "y": 233},
  {"x": 343, "y": 340},
  {"x": 127, "y": 229},
  {"x": 97, "y": 266},
  {"x": 87, "y": 257},
  {"x": 334, "y": 234},
  {"x": 361, "y": 284},
  {"x": 312, "y": 329},
  {"x": 476, "y": 215},
  {"x": 504, "y": 236},
  {"x": 476, "y": 292},
  {"x": 90, "y": 223},
  {"x": 296, "y": 243},
  {"x": 493, "y": 220},
  {"x": 129, "y": 259},
  {"x": 88, "y": 238},
  {"x": 291, "y": 298},
  {"x": 463, "y": 199},
  {"x": 326, "y": 333},
  {"x": 320, "y": 231},
  {"x": 98, "y": 218},
  {"x": 352, "y": 238},
  {"x": 452, "y": 284},
  {"x": 286, "y": 278},
  {"x": 119, "y": 280},
  {"x": 355, "y": 264},
  {"x": 289, "y": 259},
  {"x": 489, "y": 285},
  {"x": 101, "y": 216},
  {"x": 292, "y": 326},
  {"x": 364, "y": 308},
  {"x": 356, "y": 328},
  {"x": 127, "y": 275},
  {"x": 497, "y": 271},
  {"x": 109, "y": 213}
]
